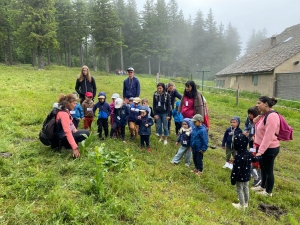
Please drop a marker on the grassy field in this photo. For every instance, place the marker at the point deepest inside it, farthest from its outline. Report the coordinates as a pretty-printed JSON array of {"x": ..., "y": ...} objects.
[{"x": 40, "y": 186}]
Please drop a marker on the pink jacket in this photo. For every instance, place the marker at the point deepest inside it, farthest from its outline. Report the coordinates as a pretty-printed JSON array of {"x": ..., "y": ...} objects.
[
  {"x": 265, "y": 134},
  {"x": 68, "y": 127}
]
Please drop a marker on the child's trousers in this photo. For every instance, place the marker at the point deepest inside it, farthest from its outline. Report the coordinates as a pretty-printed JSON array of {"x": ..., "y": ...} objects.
[
  {"x": 198, "y": 160},
  {"x": 243, "y": 192},
  {"x": 230, "y": 152},
  {"x": 181, "y": 151},
  {"x": 145, "y": 141}
]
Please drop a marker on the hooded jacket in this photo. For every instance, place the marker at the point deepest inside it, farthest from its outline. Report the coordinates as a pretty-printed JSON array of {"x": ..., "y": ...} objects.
[
  {"x": 199, "y": 138},
  {"x": 184, "y": 136},
  {"x": 230, "y": 133},
  {"x": 121, "y": 116},
  {"x": 77, "y": 112},
  {"x": 143, "y": 130},
  {"x": 177, "y": 115},
  {"x": 103, "y": 107},
  {"x": 242, "y": 160},
  {"x": 134, "y": 112},
  {"x": 131, "y": 88}
]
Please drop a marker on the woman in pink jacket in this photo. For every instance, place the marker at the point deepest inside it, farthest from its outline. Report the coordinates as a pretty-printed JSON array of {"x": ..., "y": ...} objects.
[
  {"x": 65, "y": 128},
  {"x": 267, "y": 143}
]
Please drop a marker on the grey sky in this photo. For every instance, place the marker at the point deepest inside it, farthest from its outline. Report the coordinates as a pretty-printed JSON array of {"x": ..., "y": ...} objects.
[{"x": 245, "y": 15}]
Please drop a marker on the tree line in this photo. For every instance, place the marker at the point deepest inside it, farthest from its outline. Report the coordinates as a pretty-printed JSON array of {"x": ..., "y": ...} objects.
[{"x": 106, "y": 35}]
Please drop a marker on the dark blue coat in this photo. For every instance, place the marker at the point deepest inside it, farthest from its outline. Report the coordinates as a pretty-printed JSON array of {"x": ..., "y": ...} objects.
[
  {"x": 121, "y": 116},
  {"x": 199, "y": 138},
  {"x": 185, "y": 140},
  {"x": 104, "y": 110},
  {"x": 143, "y": 130},
  {"x": 134, "y": 113},
  {"x": 131, "y": 88},
  {"x": 228, "y": 135}
]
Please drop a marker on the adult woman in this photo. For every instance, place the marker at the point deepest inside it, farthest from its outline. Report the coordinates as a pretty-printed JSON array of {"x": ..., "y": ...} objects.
[
  {"x": 162, "y": 110},
  {"x": 65, "y": 128},
  {"x": 267, "y": 143},
  {"x": 193, "y": 103},
  {"x": 85, "y": 83}
]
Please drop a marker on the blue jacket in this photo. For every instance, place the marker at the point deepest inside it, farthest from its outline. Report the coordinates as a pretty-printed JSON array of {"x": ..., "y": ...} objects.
[
  {"x": 199, "y": 138},
  {"x": 134, "y": 113},
  {"x": 77, "y": 112},
  {"x": 143, "y": 130},
  {"x": 249, "y": 128},
  {"x": 104, "y": 110},
  {"x": 121, "y": 116},
  {"x": 174, "y": 94},
  {"x": 230, "y": 133},
  {"x": 177, "y": 115},
  {"x": 131, "y": 88},
  {"x": 184, "y": 139}
]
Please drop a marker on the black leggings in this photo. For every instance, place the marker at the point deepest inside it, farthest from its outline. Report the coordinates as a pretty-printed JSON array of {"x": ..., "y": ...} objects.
[
  {"x": 78, "y": 137},
  {"x": 267, "y": 167},
  {"x": 102, "y": 123},
  {"x": 145, "y": 140}
]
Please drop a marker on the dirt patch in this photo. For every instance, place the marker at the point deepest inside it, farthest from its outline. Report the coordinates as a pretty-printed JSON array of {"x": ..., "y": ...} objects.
[
  {"x": 271, "y": 210},
  {"x": 5, "y": 154}
]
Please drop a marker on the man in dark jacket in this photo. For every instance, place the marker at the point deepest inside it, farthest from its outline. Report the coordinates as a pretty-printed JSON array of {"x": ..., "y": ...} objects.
[{"x": 131, "y": 86}]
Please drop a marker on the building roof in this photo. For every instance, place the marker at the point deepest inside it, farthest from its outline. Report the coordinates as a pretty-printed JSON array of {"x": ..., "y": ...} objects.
[{"x": 268, "y": 54}]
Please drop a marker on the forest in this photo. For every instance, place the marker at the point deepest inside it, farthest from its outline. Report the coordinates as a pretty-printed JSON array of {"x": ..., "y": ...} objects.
[{"x": 108, "y": 35}]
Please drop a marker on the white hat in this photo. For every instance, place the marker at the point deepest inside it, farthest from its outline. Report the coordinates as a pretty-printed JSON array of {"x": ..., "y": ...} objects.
[
  {"x": 118, "y": 103},
  {"x": 115, "y": 95}
]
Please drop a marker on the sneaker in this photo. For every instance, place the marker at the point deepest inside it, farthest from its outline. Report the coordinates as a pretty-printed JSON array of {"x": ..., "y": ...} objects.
[
  {"x": 160, "y": 140},
  {"x": 258, "y": 188},
  {"x": 246, "y": 205},
  {"x": 149, "y": 149},
  {"x": 226, "y": 165},
  {"x": 165, "y": 142},
  {"x": 199, "y": 173},
  {"x": 157, "y": 134},
  {"x": 172, "y": 162},
  {"x": 194, "y": 171},
  {"x": 239, "y": 206},
  {"x": 124, "y": 141},
  {"x": 230, "y": 166},
  {"x": 256, "y": 182},
  {"x": 264, "y": 193},
  {"x": 187, "y": 165}
]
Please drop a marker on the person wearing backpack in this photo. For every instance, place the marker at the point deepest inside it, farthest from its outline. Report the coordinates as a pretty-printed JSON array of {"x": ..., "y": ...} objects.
[
  {"x": 266, "y": 143},
  {"x": 65, "y": 129}
]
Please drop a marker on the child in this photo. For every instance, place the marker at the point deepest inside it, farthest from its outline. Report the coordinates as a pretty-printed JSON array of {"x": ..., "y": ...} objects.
[
  {"x": 129, "y": 104},
  {"x": 144, "y": 122},
  {"x": 240, "y": 174},
  {"x": 87, "y": 106},
  {"x": 249, "y": 129},
  {"x": 103, "y": 114},
  {"x": 184, "y": 138},
  {"x": 177, "y": 117},
  {"x": 228, "y": 140},
  {"x": 199, "y": 143},
  {"x": 134, "y": 113},
  {"x": 149, "y": 108},
  {"x": 255, "y": 169},
  {"x": 112, "y": 107},
  {"x": 121, "y": 113},
  {"x": 77, "y": 112}
]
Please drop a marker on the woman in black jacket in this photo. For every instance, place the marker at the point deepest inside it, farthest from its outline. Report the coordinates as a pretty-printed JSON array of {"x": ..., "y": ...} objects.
[{"x": 85, "y": 83}]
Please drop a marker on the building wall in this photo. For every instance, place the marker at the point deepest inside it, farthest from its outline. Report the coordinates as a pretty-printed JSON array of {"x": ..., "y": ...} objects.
[{"x": 288, "y": 66}]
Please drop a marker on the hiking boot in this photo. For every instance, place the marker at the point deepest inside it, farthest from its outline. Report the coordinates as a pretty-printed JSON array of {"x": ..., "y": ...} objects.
[
  {"x": 256, "y": 182},
  {"x": 264, "y": 193},
  {"x": 258, "y": 188}
]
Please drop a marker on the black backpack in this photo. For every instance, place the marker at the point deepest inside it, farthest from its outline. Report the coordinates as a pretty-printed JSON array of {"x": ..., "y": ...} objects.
[{"x": 47, "y": 134}]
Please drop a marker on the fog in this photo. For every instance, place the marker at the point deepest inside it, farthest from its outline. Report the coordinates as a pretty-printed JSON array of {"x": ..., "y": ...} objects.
[{"x": 245, "y": 15}]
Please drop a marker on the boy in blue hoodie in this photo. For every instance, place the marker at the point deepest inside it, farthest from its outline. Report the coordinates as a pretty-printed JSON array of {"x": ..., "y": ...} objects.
[
  {"x": 184, "y": 138},
  {"x": 199, "y": 143},
  {"x": 144, "y": 122},
  {"x": 103, "y": 114},
  {"x": 228, "y": 140},
  {"x": 77, "y": 112},
  {"x": 121, "y": 113},
  {"x": 177, "y": 117}
]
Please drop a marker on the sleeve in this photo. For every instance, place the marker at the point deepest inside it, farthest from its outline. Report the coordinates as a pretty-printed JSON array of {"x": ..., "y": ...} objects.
[
  {"x": 138, "y": 88},
  {"x": 246, "y": 125},
  {"x": 178, "y": 138},
  {"x": 95, "y": 108},
  {"x": 94, "y": 87},
  {"x": 124, "y": 88},
  {"x": 177, "y": 95},
  {"x": 66, "y": 125},
  {"x": 152, "y": 114},
  {"x": 77, "y": 87},
  {"x": 235, "y": 170},
  {"x": 204, "y": 141},
  {"x": 224, "y": 138},
  {"x": 173, "y": 112},
  {"x": 199, "y": 104},
  {"x": 154, "y": 104},
  {"x": 180, "y": 106},
  {"x": 109, "y": 109},
  {"x": 168, "y": 106},
  {"x": 150, "y": 122},
  {"x": 81, "y": 114}
]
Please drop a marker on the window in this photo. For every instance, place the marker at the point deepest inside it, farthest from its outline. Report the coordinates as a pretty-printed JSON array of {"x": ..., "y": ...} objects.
[
  {"x": 254, "y": 80},
  {"x": 218, "y": 83}
]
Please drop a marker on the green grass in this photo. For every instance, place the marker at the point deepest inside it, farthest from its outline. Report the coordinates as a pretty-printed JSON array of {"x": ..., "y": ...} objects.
[{"x": 39, "y": 186}]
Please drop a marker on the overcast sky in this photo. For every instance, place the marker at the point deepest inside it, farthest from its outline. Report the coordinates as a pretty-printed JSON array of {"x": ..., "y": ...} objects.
[{"x": 245, "y": 15}]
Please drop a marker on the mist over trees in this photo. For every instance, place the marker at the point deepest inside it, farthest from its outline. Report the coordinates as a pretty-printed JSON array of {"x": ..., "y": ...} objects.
[{"x": 107, "y": 35}]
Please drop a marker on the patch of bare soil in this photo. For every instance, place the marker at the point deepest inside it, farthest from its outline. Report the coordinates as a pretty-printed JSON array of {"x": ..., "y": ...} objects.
[{"x": 271, "y": 210}]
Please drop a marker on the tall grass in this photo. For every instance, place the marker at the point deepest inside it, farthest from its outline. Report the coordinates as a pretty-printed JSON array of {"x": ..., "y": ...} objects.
[{"x": 40, "y": 186}]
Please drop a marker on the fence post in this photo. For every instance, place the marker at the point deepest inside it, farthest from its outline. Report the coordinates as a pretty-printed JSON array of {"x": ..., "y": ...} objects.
[
  {"x": 237, "y": 96},
  {"x": 202, "y": 79},
  {"x": 157, "y": 78}
]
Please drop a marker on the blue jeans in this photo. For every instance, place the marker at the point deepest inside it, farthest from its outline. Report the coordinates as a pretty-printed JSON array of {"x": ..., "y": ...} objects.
[
  {"x": 162, "y": 122},
  {"x": 181, "y": 152}
]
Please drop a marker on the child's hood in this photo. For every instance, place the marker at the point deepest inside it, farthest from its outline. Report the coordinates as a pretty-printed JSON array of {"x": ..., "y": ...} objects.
[
  {"x": 237, "y": 119},
  {"x": 102, "y": 94},
  {"x": 240, "y": 143},
  {"x": 188, "y": 121},
  {"x": 177, "y": 103}
]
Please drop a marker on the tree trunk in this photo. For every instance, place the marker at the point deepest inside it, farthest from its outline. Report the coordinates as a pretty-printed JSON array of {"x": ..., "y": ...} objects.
[
  {"x": 48, "y": 54},
  {"x": 4, "y": 51},
  {"x": 122, "y": 60},
  {"x": 70, "y": 57},
  {"x": 66, "y": 58},
  {"x": 81, "y": 54},
  {"x": 33, "y": 58},
  {"x": 9, "y": 47},
  {"x": 99, "y": 62},
  {"x": 86, "y": 50},
  {"x": 149, "y": 65},
  {"x": 95, "y": 62},
  {"x": 158, "y": 66},
  {"x": 40, "y": 57},
  {"x": 107, "y": 63}
]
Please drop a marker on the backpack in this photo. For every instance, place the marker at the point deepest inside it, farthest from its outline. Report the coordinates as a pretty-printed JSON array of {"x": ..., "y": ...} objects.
[
  {"x": 47, "y": 134},
  {"x": 285, "y": 130}
]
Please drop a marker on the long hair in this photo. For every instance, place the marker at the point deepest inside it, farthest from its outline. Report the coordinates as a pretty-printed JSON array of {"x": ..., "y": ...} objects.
[
  {"x": 265, "y": 99},
  {"x": 64, "y": 100},
  {"x": 162, "y": 85},
  {"x": 88, "y": 75},
  {"x": 194, "y": 88},
  {"x": 254, "y": 111}
]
